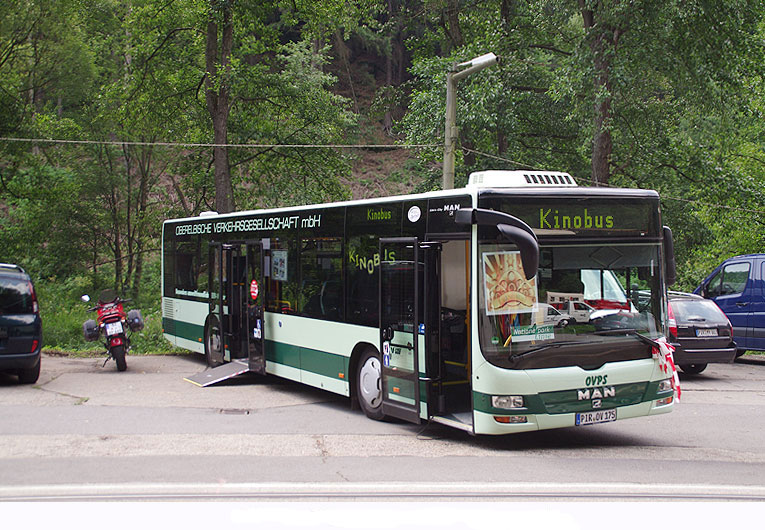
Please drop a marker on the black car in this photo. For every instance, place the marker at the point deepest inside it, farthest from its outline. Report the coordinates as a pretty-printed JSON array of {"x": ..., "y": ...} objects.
[
  {"x": 700, "y": 332},
  {"x": 20, "y": 325}
]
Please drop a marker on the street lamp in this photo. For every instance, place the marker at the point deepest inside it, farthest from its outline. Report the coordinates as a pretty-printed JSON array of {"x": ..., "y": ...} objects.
[{"x": 450, "y": 134}]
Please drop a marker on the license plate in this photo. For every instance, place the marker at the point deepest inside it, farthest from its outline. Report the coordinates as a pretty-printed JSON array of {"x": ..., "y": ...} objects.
[
  {"x": 113, "y": 328},
  {"x": 597, "y": 416},
  {"x": 706, "y": 332}
]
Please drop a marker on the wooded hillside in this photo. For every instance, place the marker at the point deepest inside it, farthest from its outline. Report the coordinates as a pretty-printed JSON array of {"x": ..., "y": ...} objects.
[{"x": 117, "y": 114}]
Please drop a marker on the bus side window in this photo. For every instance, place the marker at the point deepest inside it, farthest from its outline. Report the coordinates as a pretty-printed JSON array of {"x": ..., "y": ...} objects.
[
  {"x": 362, "y": 266},
  {"x": 187, "y": 264},
  {"x": 321, "y": 278},
  {"x": 284, "y": 286},
  {"x": 203, "y": 275}
]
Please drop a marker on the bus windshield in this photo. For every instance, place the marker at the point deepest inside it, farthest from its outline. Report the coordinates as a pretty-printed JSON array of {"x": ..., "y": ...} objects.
[{"x": 589, "y": 304}]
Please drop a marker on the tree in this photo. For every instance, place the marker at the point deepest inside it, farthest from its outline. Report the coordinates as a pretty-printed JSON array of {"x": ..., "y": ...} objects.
[{"x": 219, "y": 44}]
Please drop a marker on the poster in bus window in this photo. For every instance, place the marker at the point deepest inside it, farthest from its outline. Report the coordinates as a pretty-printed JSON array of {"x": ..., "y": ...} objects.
[
  {"x": 506, "y": 288},
  {"x": 279, "y": 265}
]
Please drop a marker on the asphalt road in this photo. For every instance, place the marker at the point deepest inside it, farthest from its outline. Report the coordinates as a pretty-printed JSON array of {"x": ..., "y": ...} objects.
[{"x": 85, "y": 431}]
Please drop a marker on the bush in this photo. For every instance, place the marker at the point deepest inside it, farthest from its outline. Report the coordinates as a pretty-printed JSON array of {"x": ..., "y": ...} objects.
[{"x": 63, "y": 313}]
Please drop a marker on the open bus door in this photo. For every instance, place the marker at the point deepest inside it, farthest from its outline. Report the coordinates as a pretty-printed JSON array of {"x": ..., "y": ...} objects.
[
  {"x": 217, "y": 310},
  {"x": 235, "y": 328},
  {"x": 254, "y": 327},
  {"x": 409, "y": 309}
]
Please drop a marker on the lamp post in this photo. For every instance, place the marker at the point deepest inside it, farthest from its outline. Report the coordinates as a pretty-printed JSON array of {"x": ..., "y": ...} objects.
[{"x": 457, "y": 73}]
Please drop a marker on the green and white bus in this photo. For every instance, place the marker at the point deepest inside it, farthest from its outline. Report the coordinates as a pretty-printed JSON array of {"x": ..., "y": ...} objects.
[{"x": 448, "y": 306}]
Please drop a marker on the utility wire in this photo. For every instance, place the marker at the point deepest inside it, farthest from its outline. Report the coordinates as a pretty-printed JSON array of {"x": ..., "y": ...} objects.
[
  {"x": 190, "y": 145},
  {"x": 338, "y": 146}
]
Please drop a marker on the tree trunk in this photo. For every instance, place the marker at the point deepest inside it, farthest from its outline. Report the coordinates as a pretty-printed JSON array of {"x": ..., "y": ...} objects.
[
  {"x": 451, "y": 23},
  {"x": 603, "y": 42},
  {"x": 144, "y": 167},
  {"x": 217, "y": 99}
]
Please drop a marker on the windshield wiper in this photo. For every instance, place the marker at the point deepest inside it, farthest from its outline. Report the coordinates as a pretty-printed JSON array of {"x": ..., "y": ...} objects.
[
  {"x": 629, "y": 331},
  {"x": 514, "y": 358},
  {"x": 652, "y": 343}
]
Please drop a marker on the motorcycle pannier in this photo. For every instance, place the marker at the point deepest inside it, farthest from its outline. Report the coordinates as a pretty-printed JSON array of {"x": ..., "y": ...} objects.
[
  {"x": 135, "y": 321},
  {"x": 90, "y": 330}
]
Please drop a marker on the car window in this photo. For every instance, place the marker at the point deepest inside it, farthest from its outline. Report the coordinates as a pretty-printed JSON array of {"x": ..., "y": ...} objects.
[
  {"x": 714, "y": 285},
  {"x": 692, "y": 311},
  {"x": 734, "y": 278},
  {"x": 15, "y": 296}
]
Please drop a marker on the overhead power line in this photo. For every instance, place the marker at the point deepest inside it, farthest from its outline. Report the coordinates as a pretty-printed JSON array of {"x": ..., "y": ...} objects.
[
  {"x": 338, "y": 146},
  {"x": 193, "y": 145}
]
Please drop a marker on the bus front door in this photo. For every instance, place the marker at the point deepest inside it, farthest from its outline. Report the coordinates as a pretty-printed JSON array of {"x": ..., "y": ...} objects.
[
  {"x": 253, "y": 316},
  {"x": 401, "y": 326}
]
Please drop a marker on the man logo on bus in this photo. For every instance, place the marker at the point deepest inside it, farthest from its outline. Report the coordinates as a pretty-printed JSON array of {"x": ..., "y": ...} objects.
[{"x": 596, "y": 393}]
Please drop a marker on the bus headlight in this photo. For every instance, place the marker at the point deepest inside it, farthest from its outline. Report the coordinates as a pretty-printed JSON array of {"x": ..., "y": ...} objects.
[
  {"x": 507, "y": 402},
  {"x": 665, "y": 385}
]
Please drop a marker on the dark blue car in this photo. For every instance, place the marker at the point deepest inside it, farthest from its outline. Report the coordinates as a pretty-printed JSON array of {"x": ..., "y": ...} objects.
[
  {"x": 20, "y": 325},
  {"x": 737, "y": 288}
]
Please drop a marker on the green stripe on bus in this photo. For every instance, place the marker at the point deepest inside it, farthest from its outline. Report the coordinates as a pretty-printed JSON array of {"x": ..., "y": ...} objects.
[
  {"x": 310, "y": 360},
  {"x": 314, "y": 361},
  {"x": 184, "y": 330}
]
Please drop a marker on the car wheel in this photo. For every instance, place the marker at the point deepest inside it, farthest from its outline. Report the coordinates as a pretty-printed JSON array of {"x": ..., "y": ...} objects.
[
  {"x": 29, "y": 376},
  {"x": 740, "y": 352},
  {"x": 693, "y": 368}
]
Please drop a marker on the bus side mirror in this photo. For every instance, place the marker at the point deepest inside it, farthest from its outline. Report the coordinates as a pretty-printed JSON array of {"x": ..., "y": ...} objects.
[
  {"x": 511, "y": 228},
  {"x": 669, "y": 256},
  {"x": 526, "y": 244}
]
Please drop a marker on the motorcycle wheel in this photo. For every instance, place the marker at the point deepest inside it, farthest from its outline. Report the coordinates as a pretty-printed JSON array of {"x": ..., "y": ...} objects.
[{"x": 118, "y": 353}]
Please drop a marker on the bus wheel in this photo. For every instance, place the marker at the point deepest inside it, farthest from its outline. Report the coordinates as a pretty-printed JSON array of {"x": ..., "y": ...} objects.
[
  {"x": 369, "y": 384},
  {"x": 213, "y": 342}
]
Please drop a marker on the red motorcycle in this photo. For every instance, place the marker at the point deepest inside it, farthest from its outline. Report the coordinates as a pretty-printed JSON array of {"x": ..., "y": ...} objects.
[{"x": 114, "y": 324}]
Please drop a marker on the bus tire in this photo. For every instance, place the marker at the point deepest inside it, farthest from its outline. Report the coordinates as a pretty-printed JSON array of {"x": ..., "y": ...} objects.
[
  {"x": 369, "y": 384},
  {"x": 213, "y": 342}
]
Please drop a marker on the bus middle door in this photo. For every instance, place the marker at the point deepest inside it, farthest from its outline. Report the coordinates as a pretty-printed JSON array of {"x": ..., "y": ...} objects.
[{"x": 402, "y": 327}]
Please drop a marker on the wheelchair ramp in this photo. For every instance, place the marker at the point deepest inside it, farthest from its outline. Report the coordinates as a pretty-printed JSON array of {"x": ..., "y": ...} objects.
[{"x": 219, "y": 373}]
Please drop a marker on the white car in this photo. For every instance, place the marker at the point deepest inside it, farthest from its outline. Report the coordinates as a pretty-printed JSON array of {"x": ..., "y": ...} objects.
[{"x": 554, "y": 317}]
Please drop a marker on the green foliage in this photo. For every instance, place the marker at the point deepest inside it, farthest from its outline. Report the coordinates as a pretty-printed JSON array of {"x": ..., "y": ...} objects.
[
  {"x": 683, "y": 82},
  {"x": 63, "y": 312}
]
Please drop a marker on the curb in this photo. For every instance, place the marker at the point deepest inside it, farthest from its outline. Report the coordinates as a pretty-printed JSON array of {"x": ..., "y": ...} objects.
[{"x": 757, "y": 360}]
